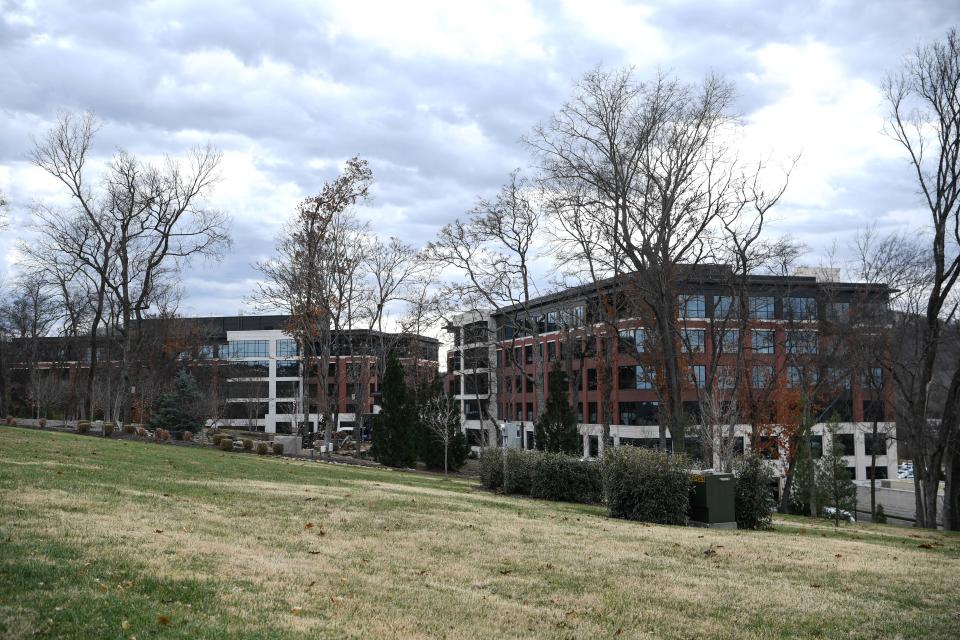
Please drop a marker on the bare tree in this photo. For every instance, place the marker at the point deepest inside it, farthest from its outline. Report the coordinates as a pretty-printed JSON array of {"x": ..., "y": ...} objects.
[
  {"x": 925, "y": 119},
  {"x": 492, "y": 253},
  {"x": 151, "y": 218},
  {"x": 655, "y": 163},
  {"x": 439, "y": 414},
  {"x": 305, "y": 278}
]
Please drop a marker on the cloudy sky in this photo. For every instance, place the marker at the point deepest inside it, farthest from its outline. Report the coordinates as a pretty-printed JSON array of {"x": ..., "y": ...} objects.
[{"x": 436, "y": 94}]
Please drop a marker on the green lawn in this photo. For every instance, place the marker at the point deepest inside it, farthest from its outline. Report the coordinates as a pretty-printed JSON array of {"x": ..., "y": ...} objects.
[{"x": 116, "y": 539}]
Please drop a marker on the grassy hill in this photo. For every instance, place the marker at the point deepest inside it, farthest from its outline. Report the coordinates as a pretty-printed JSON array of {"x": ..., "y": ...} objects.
[{"x": 116, "y": 539}]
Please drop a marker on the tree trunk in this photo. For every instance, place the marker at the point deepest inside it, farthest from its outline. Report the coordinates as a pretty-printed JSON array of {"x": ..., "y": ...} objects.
[{"x": 873, "y": 473}]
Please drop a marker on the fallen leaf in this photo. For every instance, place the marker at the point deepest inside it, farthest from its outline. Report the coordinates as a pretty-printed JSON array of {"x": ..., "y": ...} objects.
[
  {"x": 309, "y": 525},
  {"x": 158, "y": 530},
  {"x": 125, "y": 624},
  {"x": 296, "y": 611},
  {"x": 839, "y": 555},
  {"x": 924, "y": 545},
  {"x": 164, "y": 620}
]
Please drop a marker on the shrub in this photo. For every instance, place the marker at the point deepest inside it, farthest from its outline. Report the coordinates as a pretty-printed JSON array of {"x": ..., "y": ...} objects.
[
  {"x": 42, "y": 422},
  {"x": 107, "y": 429},
  {"x": 518, "y": 471},
  {"x": 262, "y": 448},
  {"x": 83, "y": 426},
  {"x": 491, "y": 467},
  {"x": 187, "y": 436},
  {"x": 278, "y": 448},
  {"x": 880, "y": 517},
  {"x": 647, "y": 485},
  {"x": 247, "y": 444},
  {"x": 13, "y": 422},
  {"x": 9, "y": 420},
  {"x": 226, "y": 444},
  {"x": 179, "y": 408},
  {"x": 556, "y": 476},
  {"x": 754, "y": 502},
  {"x": 141, "y": 432},
  {"x": 217, "y": 437},
  {"x": 129, "y": 429}
]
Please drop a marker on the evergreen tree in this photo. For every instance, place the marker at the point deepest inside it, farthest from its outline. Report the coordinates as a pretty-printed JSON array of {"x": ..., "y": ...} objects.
[
  {"x": 556, "y": 430},
  {"x": 835, "y": 488},
  {"x": 443, "y": 444},
  {"x": 395, "y": 428},
  {"x": 178, "y": 409}
]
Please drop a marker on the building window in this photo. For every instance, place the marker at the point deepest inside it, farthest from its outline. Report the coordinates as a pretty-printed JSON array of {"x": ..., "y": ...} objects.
[
  {"x": 839, "y": 378},
  {"x": 551, "y": 351},
  {"x": 639, "y": 413},
  {"x": 876, "y": 473},
  {"x": 552, "y": 324},
  {"x": 873, "y": 411},
  {"x": 726, "y": 307},
  {"x": 880, "y": 447},
  {"x": 694, "y": 340},
  {"x": 762, "y": 376},
  {"x": 692, "y": 306},
  {"x": 761, "y": 307},
  {"x": 247, "y": 349},
  {"x": 698, "y": 373},
  {"x": 634, "y": 378},
  {"x": 873, "y": 378},
  {"x": 725, "y": 377},
  {"x": 838, "y": 311},
  {"x": 764, "y": 340},
  {"x": 206, "y": 352},
  {"x": 816, "y": 447},
  {"x": 592, "y": 410},
  {"x": 730, "y": 340},
  {"x": 287, "y": 348},
  {"x": 801, "y": 342},
  {"x": 843, "y": 444},
  {"x": 800, "y": 308},
  {"x": 249, "y": 369},
  {"x": 288, "y": 389},
  {"x": 528, "y": 354},
  {"x": 288, "y": 368}
]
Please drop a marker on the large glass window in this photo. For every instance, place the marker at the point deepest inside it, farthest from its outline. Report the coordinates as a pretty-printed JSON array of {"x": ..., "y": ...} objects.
[
  {"x": 638, "y": 413},
  {"x": 288, "y": 368},
  {"x": 764, "y": 340},
  {"x": 692, "y": 306},
  {"x": 873, "y": 378},
  {"x": 249, "y": 369},
  {"x": 761, "y": 307},
  {"x": 726, "y": 376},
  {"x": 287, "y": 348},
  {"x": 288, "y": 389},
  {"x": 634, "y": 378},
  {"x": 795, "y": 308},
  {"x": 206, "y": 352},
  {"x": 843, "y": 444},
  {"x": 247, "y": 349},
  {"x": 838, "y": 311},
  {"x": 880, "y": 448}
]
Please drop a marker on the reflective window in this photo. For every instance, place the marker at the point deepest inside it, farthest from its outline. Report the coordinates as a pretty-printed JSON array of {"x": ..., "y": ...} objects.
[
  {"x": 692, "y": 306},
  {"x": 764, "y": 340},
  {"x": 761, "y": 308},
  {"x": 726, "y": 307},
  {"x": 762, "y": 376},
  {"x": 287, "y": 348},
  {"x": 247, "y": 349},
  {"x": 801, "y": 342},
  {"x": 800, "y": 308},
  {"x": 694, "y": 340},
  {"x": 698, "y": 373},
  {"x": 288, "y": 368}
]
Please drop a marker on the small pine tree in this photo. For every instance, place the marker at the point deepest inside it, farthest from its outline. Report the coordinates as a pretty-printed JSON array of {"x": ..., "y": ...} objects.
[
  {"x": 556, "y": 430},
  {"x": 835, "y": 488},
  {"x": 442, "y": 442},
  {"x": 177, "y": 410},
  {"x": 395, "y": 428}
]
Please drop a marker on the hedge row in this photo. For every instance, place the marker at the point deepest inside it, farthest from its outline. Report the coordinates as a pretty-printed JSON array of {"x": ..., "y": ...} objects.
[
  {"x": 646, "y": 484},
  {"x": 539, "y": 474}
]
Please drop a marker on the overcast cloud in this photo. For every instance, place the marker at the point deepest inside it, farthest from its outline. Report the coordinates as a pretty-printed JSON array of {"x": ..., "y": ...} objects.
[{"x": 436, "y": 94}]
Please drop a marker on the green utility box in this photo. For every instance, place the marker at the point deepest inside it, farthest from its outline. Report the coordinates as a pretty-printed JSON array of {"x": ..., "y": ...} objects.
[{"x": 712, "y": 499}]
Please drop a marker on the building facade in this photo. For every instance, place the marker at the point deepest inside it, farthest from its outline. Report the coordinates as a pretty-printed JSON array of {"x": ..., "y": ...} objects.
[{"x": 762, "y": 350}]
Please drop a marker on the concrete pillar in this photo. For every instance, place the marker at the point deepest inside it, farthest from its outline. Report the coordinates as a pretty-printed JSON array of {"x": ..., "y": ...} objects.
[{"x": 586, "y": 445}]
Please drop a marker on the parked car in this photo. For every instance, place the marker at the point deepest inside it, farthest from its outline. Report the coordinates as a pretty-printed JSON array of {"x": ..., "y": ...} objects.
[{"x": 831, "y": 512}]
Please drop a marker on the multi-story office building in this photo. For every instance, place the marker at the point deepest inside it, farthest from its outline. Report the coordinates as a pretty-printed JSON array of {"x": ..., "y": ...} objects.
[
  {"x": 256, "y": 369},
  {"x": 802, "y": 340}
]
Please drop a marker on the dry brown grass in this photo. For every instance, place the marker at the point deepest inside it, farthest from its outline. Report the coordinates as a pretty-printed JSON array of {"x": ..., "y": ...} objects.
[{"x": 220, "y": 544}]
